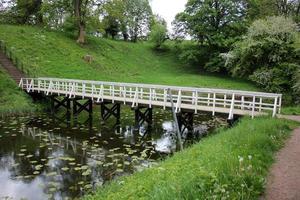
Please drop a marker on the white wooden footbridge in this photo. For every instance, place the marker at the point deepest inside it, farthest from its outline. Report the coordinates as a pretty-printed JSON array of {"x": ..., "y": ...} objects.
[{"x": 231, "y": 102}]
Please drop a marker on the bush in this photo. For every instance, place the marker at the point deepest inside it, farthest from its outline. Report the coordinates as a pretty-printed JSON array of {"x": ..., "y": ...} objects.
[
  {"x": 267, "y": 55},
  {"x": 158, "y": 35}
]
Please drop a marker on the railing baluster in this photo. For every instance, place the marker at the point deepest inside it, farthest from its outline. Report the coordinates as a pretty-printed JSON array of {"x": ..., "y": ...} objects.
[
  {"x": 243, "y": 103},
  {"x": 225, "y": 100},
  {"x": 165, "y": 98},
  {"x": 196, "y": 102},
  {"x": 178, "y": 103},
  {"x": 275, "y": 107},
  {"x": 253, "y": 107},
  {"x": 231, "y": 107},
  {"x": 214, "y": 104}
]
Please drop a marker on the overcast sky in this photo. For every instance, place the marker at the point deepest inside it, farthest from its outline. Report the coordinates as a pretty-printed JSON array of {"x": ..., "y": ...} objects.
[{"x": 168, "y": 9}]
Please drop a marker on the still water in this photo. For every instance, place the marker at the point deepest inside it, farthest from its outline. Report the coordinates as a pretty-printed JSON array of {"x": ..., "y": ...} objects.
[{"x": 42, "y": 157}]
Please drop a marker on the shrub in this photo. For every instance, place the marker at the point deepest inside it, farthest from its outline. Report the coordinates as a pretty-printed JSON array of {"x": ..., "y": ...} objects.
[
  {"x": 158, "y": 35},
  {"x": 267, "y": 55}
]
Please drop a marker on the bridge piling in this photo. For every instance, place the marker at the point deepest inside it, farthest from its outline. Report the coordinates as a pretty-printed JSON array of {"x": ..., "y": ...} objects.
[
  {"x": 185, "y": 122},
  {"x": 143, "y": 114},
  {"x": 79, "y": 107},
  {"x": 109, "y": 109}
]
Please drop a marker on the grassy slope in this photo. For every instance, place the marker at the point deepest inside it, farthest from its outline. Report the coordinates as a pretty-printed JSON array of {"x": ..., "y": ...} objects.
[
  {"x": 12, "y": 100},
  {"x": 54, "y": 54},
  {"x": 230, "y": 165}
]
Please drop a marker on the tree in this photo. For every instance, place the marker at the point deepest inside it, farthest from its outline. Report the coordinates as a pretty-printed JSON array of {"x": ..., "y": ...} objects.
[
  {"x": 257, "y": 9},
  {"x": 113, "y": 20},
  {"x": 213, "y": 22},
  {"x": 267, "y": 55},
  {"x": 86, "y": 11},
  {"x": 111, "y": 26},
  {"x": 158, "y": 34},
  {"x": 28, "y": 11},
  {"x": 137, "y": 18},
  {"x": 56, "y": 12}
]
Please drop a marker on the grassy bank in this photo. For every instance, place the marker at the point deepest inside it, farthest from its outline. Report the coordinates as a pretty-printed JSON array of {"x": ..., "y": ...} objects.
[
  {"x": 230, "y": 165},
  {"x": 13, "y": 100},
  {"x": 56, "y": 54},
  {"x": 293, "y": 110}
]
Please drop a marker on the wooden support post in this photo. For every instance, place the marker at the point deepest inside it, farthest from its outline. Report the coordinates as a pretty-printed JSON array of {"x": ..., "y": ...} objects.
[
  {"x": 108, "y": 111},
  {"x": 185, "y": 122},
  {"x": 143, "y": 116},
  {"x": 78, "y": 107},
  {"x": 57, "y": 103}
]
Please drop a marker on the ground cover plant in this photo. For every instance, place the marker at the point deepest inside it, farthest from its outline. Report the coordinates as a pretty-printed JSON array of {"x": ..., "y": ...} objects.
[{"x": 232, "y": 164}]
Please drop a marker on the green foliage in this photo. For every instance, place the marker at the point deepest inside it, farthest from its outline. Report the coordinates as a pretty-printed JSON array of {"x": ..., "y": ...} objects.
[
  {"x": 56, "y": 13},
  {"x": 296, "y": 87},
  {"x": 267, "y": 55},
  {"x": 191, "y": 53},
  {"x": 13, "y": 100},
  {"x": 138, "y": 18},
  {"x": 258, "y": 9},
  {"x": 232, "y": 164},
  {"x": 158, "y": 34},
  {"x": 205, "y": 20}
]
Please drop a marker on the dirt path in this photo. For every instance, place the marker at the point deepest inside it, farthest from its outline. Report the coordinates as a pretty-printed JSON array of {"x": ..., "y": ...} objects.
[{"x": 284, "y": 179}]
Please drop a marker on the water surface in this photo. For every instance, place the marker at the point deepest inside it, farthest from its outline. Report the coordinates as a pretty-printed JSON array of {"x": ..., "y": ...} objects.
[{"x": 42, "y": 157}]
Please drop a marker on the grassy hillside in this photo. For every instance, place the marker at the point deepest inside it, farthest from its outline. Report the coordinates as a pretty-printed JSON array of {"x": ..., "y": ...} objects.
[
  {"x": 229, "y": 165},
  {"x": 57, "y": 55},
  {"x": 12, "y": 100}
]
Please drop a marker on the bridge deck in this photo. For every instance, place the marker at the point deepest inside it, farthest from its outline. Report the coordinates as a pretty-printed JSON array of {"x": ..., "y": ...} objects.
[{"x": 231, "y": 102}]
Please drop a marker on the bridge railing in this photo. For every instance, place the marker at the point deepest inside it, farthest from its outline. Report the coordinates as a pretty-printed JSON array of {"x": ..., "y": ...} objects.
[{"x": 189, "y": 98}]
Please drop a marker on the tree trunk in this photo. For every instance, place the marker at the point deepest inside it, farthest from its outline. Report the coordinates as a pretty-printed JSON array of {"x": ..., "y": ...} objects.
[
  {"x": 125, "y": 36},
  {"x": 39, "y": 14},
  {"x": 81, "y": 34},
  {"x": 80, "y": 22}
]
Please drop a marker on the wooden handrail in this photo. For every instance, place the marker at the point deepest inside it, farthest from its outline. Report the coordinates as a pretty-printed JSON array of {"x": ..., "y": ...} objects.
[{"x": 189, "y": 98}]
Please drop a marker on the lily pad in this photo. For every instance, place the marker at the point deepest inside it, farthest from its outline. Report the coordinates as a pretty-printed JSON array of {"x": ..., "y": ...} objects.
[
  {"x": 36, "y": 172},
  {"x": 65, "y": 169}
]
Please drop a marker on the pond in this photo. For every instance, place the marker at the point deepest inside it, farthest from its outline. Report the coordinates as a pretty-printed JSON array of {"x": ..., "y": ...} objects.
[{"x": 42, "y": 157}]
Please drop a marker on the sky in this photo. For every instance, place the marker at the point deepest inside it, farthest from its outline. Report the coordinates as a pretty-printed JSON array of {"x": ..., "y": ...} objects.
[{"x": 168, "y": 9}]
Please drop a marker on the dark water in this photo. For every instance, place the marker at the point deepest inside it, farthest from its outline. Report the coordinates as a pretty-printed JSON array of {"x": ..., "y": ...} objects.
[{"x": 41, "y": 157}]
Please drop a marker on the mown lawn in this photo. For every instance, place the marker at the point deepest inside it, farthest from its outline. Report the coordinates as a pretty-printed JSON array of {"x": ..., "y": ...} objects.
[
  {"x": 12, "y": 99},
  {"x": 233, "y": 164},
  {"x": 55, "y": 54}
]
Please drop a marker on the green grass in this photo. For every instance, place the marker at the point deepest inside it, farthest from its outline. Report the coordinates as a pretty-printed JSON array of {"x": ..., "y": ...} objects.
[
  {"x": 232, "y": 164},
  {"x": 293, "y": 110},
  {"x": 13, "y": 100},
  {"x": 54, "y": 54}
]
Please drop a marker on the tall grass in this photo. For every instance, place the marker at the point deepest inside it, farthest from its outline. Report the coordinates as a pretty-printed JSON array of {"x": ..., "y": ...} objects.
[{"x": 233, "y": 164}]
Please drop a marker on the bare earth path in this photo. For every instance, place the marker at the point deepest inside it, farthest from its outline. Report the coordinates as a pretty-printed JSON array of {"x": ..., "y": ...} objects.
[{"x": 284, "y": 179}]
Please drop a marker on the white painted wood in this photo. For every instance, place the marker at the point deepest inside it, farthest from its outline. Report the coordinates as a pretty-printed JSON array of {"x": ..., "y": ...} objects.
[
  {"x": 275, "y": 107},
  {"x": 194, "y": 99},
  {"x": 214, "y": 104},
  {"x": 231, "y": 111},
  {"x": 253, "y": 107}
]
